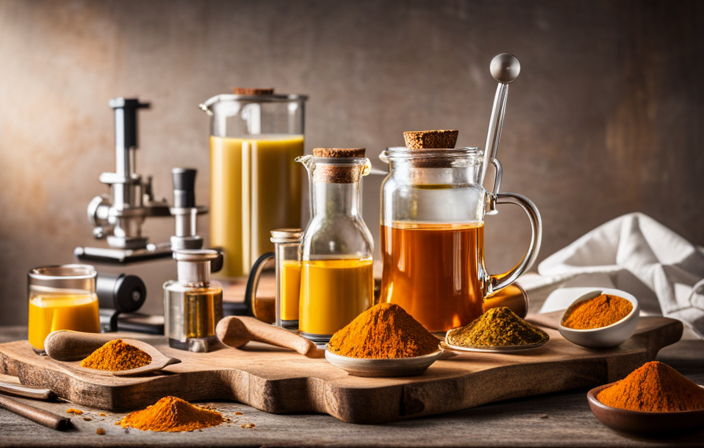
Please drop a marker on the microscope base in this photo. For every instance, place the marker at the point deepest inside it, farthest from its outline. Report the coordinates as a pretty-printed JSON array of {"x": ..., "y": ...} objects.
[
  {"x": 132, "y": 322},
  {"x": 122, "y": 256}
]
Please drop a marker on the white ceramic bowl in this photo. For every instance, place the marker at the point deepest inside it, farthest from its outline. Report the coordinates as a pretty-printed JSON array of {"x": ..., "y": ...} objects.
[
  {"x": 383, "y": 367},
  {"x": 604, "y": 337}
]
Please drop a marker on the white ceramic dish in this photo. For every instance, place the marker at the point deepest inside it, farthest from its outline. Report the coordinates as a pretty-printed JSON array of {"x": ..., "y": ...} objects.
[
  {"x": 604, "y": 337},
  {"x": 497, "y": 349},
  {"x": 383, "y": 367}
]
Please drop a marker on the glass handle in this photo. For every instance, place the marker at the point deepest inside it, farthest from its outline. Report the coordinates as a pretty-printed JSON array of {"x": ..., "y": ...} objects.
[
  {"x": 253, "y": 282},
  {"x": 500, "y": 281}
]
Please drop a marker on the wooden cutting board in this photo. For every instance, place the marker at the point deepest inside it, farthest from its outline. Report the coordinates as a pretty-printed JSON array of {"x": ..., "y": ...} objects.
[{"x": 278, "y": 381}]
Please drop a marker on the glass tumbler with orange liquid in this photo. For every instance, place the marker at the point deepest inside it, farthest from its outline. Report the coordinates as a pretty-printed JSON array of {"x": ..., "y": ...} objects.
[
  {"x": 337, "y": 282},
  {"x": 432, "y": 235},
  {"x": 61, "y": 298}
]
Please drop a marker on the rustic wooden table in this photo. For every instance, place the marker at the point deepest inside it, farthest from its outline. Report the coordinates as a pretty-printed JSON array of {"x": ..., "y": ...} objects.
[{"x": 561, "y": 419}]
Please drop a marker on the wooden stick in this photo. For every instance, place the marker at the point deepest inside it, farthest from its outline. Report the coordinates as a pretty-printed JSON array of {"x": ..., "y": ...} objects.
[
  {"x": 45, "y": 418},
  {"x": 38, "y": 393}
]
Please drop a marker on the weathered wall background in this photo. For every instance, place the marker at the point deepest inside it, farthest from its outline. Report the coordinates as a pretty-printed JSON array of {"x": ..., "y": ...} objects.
[{"x": 605, "y": 119}]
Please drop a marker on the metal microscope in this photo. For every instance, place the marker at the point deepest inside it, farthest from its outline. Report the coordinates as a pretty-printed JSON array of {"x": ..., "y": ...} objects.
[{"x": 119, "y": 216}]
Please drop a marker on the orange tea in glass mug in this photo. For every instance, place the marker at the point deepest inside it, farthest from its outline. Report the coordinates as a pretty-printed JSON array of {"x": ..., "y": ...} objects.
[
  {"x": 432, "y": 235},
  {"x": 61, "y": 298}
]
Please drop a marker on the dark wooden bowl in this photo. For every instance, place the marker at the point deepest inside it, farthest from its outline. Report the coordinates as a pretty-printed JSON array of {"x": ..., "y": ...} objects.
[{"x": 645, "y": 424}]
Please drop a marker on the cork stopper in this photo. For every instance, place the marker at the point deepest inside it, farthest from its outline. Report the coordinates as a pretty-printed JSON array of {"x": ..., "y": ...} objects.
[
  {"x": 339, "y": 152},
  {"x": 435, "y": 139},
  {"x": 338, "y": 173},
  {"x": 252, "y": 91}
]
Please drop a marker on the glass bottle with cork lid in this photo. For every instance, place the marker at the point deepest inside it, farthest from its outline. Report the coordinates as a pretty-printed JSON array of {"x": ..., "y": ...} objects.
[
  {"x": 337, "y": 282},
  {"x": 193, "y": 303}
]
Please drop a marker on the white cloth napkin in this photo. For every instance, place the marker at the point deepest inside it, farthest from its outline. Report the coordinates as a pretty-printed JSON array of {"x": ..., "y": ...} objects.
[{"x": 636, "y": 254}]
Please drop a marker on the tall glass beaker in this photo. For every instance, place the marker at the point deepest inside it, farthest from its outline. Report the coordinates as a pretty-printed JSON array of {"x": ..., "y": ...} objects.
[{"x": 255, "y": 184}]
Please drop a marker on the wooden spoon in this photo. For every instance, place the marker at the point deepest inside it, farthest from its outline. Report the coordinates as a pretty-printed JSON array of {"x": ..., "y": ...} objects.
[
  {"x": 65, "y": 345},
  {"x": 236, "y": 331}
]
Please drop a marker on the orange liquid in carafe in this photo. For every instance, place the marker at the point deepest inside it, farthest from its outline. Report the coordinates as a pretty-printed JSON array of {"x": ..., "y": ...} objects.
[
  {"x": 434, "y": 271},
  {"x": 255, "y": 187},
  {"x": 333, "y": 293}
]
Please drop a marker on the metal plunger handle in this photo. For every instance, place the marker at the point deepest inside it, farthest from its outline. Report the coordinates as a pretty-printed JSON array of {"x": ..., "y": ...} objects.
[{"x": 505, "y": 69}]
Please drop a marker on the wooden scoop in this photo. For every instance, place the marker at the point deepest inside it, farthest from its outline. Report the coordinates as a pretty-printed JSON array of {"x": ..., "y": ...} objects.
[
  {"x": 65, "y": 345},
  {"x": 236, "y": 331}
]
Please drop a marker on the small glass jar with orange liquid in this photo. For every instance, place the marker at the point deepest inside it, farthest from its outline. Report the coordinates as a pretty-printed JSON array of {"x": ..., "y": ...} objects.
[
  {"x": 287, "y": 249},
  {"x": 61, "y": 298},
  {"x": 337, "y": 282},
  {"x": 287, "y": 255}
]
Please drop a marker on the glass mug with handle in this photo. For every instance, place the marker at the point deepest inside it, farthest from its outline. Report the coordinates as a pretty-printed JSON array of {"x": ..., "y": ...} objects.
[{"x": 432, "y": 235}]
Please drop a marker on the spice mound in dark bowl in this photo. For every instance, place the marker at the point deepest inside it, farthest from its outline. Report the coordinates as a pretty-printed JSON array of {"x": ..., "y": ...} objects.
[
  {"x": 654, "y": 387},
  {"x": 654, "y": 401}
]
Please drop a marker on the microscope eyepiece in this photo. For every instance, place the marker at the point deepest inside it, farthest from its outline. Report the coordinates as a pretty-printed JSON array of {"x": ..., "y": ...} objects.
[{"x": 184, "y": 187}]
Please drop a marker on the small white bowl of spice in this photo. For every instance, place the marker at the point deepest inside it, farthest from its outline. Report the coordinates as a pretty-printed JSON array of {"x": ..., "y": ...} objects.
[{"x": 602, "y": 318}]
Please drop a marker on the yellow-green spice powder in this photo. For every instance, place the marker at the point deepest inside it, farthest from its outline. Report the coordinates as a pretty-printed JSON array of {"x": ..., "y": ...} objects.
[{"x": 498, "y": 327}]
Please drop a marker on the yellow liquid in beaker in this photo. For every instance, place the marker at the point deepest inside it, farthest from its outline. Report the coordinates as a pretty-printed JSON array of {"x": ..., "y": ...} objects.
[
  {"x": 61, "y": 312},
  {"x": 290, "y": 289},
  {"x": 255, "y": 187},
  {"x": 333, "y": 293}
]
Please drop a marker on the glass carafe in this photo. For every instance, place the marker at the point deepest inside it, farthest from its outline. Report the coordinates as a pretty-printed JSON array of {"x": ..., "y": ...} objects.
[
  {"x": 337, "y": 282},
  {"x": 255, "y": 185},
  {"x": 432, "y": 235}
]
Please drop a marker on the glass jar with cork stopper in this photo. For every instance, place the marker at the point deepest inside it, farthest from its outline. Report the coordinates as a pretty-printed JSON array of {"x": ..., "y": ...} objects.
[
  {"x": 432, "y": 231},
  {"x": 337, "y": 282}
]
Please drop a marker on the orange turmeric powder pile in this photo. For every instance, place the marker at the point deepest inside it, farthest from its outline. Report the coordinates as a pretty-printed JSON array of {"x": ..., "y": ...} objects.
[
  {"x": 116, "y": 355},
  {"x": 654, "y": 387},
  {"x": 171, "y": 414},
  {"x": 598, "y": 312},
  {"x": 383, "y": 331}
]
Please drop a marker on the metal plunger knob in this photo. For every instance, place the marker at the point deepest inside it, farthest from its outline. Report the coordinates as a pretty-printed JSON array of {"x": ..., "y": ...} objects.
[
  {"x": 184, "y": 187},
  {"x": 185, "y": 210},
  {"x": 505, "y": 69}
]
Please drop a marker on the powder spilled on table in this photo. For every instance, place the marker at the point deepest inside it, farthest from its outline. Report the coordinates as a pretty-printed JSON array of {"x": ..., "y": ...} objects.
[
  {"x": 498, "y": 327},
  {"x": 654, "y": 387},
  {"x": 172, "y": 414},
  {"x": 601, "y": 311},
  {"x": 383, "y": 331},
  {"x": 116, "y": 355}
]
